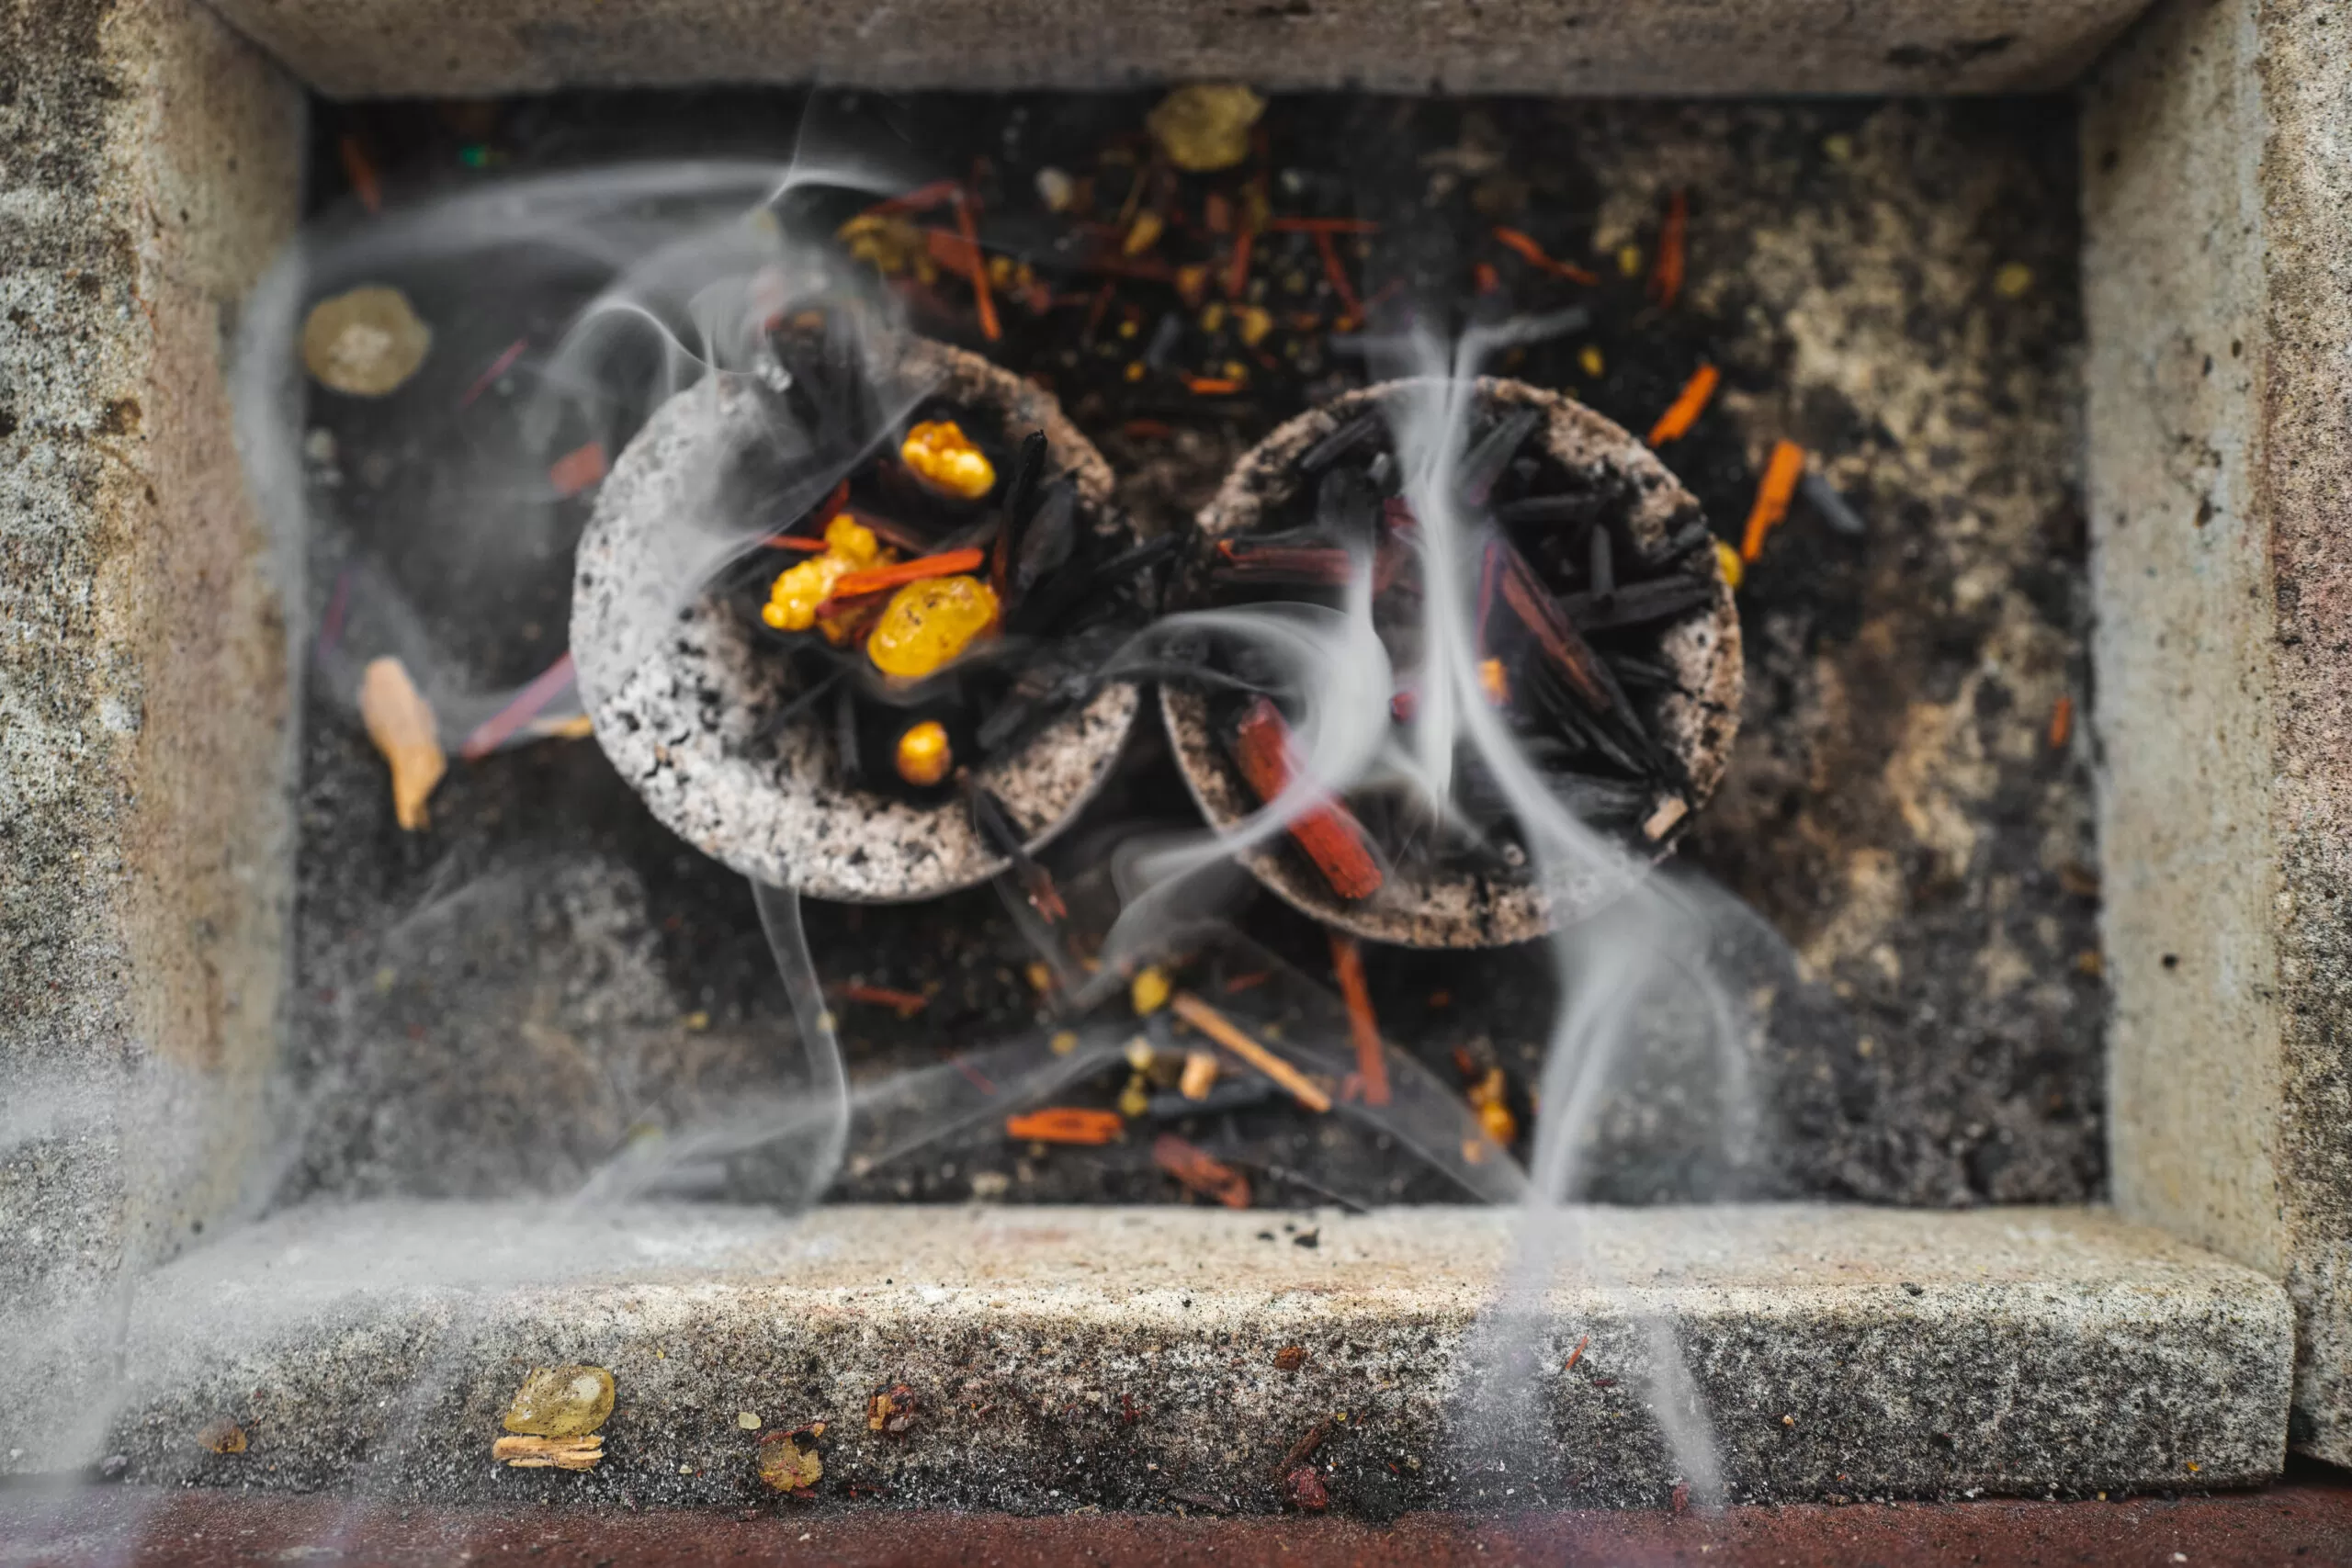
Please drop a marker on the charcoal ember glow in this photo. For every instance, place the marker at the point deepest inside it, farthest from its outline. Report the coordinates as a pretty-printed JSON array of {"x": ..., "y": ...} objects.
[{"x": 1608, "y": 640}]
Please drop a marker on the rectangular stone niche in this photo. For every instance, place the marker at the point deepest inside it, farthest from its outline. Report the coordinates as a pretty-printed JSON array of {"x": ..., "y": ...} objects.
[{"x": 151, "y": 163}]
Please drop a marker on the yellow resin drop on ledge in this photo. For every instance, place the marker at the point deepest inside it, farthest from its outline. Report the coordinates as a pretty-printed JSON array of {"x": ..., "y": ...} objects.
[
  {"x": 938, "y": 453},
  {"x": 929, "y": 623}
]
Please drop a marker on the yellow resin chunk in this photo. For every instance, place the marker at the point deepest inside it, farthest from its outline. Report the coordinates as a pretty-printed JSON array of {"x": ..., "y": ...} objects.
[
  {"x": 929, "y": 623},
  {"x": 400, "y": 722},
  {"x": 925, "y": 755},
  {"x": 849, "y": 545},
  {"x": 1148, "y": 990},
  {"x": 939, "y": 453},
  {"x": 562, "y": 1402},
  {"x": 1204, "y": 126}
]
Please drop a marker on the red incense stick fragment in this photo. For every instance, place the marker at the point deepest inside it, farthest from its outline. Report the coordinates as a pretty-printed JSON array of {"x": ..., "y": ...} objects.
[
  {"x": 1237, "y": 272},
  {"x": 874, "y": 578},
  {"x": 1330, "y": 834},
  {"x": 1364, "y": 1025},
  {"x": 906, "y": 1004},
  {"x": 1676, "y": 421},
  {"x": 498, "y": 366},
  {"x": 1562, "y": 647},
  {"x": 495, "y": 730},
  {"x": 1525, "y": 248},
  {"x": 1666, "y": 279},
  {"x": 1066, "y": 1124},
  {"x": 1321, "y": 564},
  {"x": 577, "y": 470},
  {"x": 1201, "y": 1171},
  {"x": 1772, "y": 496},
  {"x": 967, "y": 220},
  {"x": 1350, "y": 308}
]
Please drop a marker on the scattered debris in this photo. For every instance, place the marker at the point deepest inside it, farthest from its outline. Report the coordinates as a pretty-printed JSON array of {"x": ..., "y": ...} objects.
[
  {"x": 790, "y": 1462},
  {"x": 1778, "y": 487},
  {"x": 1832, "y": 507},
  {"x": 1290, "y": 1357},
  {"x": 400, "y": 722},
  {"x": 1148, "y": 990},
  {"x": 1222, "y": 1029},
  {"x": 1666, "y": 276},
  {"x": 1066, "y": 1124},
  {"x": 1363, "y": 1026},
  {"x": 1204, "y": 126},
  {"x": 906, "y": 1004},
  {"x": 2062, "y": 721},
  {"x": 1305, "y": 1489},
  {"x": 892, "y": 1412},
  {"x": 749, "y": 1420},
  {"x": 1684, "y": 411},
  {"x": 366, "y": 343},
  {"x": 578, "y": 469},
  {"x": 223, "y": 1438},
  {"x": 1577, "y": 1354},
  {"x": 360, "y": 170},
  {"x": 1199, "y": 1075},
  {"x": 548, "y": 1454},
  {"x": 1193, "y": 1165},
  {"x": 561, "y": 1402},
  {"x": 1490, "y": 1098}
]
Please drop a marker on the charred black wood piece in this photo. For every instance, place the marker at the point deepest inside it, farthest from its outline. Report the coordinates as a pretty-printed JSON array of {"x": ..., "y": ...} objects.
[
  {"x": 1484, "y": 463},
  {"x": 1020, "y": 489},
  {"x": 1833, "y": 508},
  {"x": 1690, "y": 537},
  {"x": 1600, "y": 563},
  {"x": 993, "y": 823},
  {"x": 1357, "y": 433},
  {"x": 1638, "y": 603},
  {"x": 1048, "y": 537},
  {"x": 845, "y": 734},
  {"x": 1555, "y": 510}
]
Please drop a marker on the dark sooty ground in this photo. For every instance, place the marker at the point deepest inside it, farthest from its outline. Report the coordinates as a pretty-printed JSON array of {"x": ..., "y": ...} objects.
[{"x": 497, "y": 1004}]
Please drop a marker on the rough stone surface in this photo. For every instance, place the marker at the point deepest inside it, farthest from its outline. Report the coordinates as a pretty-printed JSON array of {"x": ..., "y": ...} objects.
[
  {"x": 149, "y": 167},
  {"x": 402, "y": 48},
  {"x": 2219, "y": 271},
  {"x": 1128, "y": 1358}
]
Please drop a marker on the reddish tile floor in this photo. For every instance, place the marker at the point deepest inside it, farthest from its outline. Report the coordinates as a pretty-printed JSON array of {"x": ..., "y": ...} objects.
[{"x": 2306, "y": 1518}]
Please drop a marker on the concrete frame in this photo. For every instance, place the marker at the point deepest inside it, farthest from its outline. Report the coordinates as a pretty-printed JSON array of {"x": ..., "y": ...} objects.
[{"x": 151, "y": 163}]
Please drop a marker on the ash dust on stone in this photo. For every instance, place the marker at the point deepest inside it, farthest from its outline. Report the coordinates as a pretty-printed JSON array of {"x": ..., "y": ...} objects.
[{"x": 499, "y": 1004}]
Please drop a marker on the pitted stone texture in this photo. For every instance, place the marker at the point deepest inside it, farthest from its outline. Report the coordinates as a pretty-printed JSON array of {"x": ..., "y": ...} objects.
[
  {"x": 2219, "y": 285},
  {"x": 1063, "y": 1357},
  {"x": 1446, "y": 908},
  {"x": 149, "y": 165},
  {"x": 1658, "y": 47},
  {"x": 685, "y": 725}
]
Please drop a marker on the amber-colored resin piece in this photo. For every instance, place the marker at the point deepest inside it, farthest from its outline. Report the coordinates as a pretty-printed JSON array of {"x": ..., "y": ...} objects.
[
  {"x": 1205, "y": 126},
  {"x": 849, "y": 545},
  {"x": 938, "y": 453},
  {"x": 929, "y": 623},
  {"x": 365, "y": 343},
  {"x": 562, "y": 1402},
  {"x": 925, "y": 755},
  {"x": 400, "y": 722}
]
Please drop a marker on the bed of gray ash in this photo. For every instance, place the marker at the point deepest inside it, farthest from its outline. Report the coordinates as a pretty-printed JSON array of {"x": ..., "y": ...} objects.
[{"x": 499, "y": 1004}]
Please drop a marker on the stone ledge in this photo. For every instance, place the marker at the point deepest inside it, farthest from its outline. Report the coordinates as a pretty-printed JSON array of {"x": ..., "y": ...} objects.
[
  {"x": 355, "y": 49},
  {"x": 1125, "y": 1358}
]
